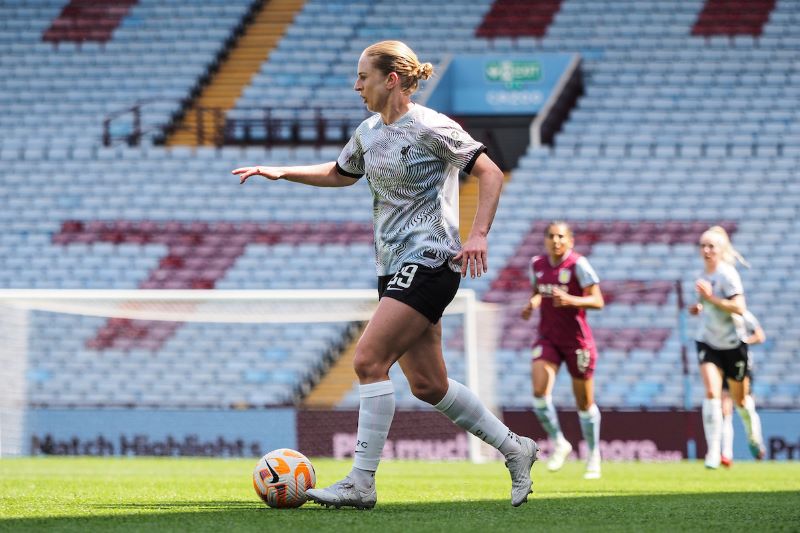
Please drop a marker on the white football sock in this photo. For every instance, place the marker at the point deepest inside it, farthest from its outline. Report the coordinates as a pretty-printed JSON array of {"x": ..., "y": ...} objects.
[
  {"x": 590, "y": 427},
  {"x": 712, "y": 424},
  {"x": 727, "y": 436},
  {"x": 751, "y": 420},
  {"x": 363, "y": 478},
  {"x": 465, "y": 409},
  {"x": 548, "y": 418},
  {"x": 374, "y": 419}
]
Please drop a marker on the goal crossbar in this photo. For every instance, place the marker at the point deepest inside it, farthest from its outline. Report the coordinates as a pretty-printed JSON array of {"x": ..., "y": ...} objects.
[{"x": 228, "y": 306}]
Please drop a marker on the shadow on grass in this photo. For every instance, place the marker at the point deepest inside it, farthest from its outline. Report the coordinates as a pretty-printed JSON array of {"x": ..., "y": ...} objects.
[{"x": 721, "y": 511}]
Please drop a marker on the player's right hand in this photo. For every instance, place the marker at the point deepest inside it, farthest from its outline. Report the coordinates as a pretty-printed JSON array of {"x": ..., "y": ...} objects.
[
  {"x": 533, "y": 302},
  {"x": 703, "y": 288},
  {"x": 245, "y": 172}
]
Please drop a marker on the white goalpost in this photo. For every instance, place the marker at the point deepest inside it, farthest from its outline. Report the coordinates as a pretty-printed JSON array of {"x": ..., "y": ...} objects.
[{"x": 480, "y": 323}]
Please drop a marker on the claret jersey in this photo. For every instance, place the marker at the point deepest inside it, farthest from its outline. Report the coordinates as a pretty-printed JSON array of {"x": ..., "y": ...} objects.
[
  {"x": 412, "y": 168},
  {"x": 563, "y": 325}
]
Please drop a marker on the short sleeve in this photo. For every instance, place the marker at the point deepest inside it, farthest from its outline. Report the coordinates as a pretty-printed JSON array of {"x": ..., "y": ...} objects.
[
  {"x": 351, "y": 159},
  {"x": 532, "y": 273},
  {"x": 732, "y": 284},
  {"x": 586, "y": 274},
  {"x": 450, "y": 143}
]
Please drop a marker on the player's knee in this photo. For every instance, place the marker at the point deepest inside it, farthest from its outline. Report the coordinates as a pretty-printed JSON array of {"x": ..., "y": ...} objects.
[
  {"x": 368, "y": 367},
  {"x": 428, "y": 391},
  {"x": 712, "y": 393}
]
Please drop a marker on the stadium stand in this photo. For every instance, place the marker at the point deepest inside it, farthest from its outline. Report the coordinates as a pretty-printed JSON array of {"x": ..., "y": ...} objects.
[
  {"x": 722, "y": 17},
  {"x": 514, "y": 18},
  {"x": 311, "y": 73},
  {"x": 84, "y": 20},
  {"x": 686, "y": 121}
]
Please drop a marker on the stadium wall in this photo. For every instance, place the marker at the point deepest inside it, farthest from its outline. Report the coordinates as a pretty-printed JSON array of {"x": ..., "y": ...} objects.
[
  {"x": 148, "y": 432},
  {"x": 626, "y": 435}
]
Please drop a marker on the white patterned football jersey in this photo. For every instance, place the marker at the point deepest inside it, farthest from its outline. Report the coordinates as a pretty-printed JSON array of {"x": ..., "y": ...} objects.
[
  {"x": 718, "y": 328},
  {"x": 412, "y": 167}
]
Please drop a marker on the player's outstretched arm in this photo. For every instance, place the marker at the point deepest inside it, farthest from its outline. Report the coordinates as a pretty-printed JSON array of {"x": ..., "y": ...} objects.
[
  {"x": 323, "y": 175},
  {"x": 474, "y": 252}
]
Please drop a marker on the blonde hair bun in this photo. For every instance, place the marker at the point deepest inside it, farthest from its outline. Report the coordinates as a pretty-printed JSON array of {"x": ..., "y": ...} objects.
[{"x": 425, "y": 71}]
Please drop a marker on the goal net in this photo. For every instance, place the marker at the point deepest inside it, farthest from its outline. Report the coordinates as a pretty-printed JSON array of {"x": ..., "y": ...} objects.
[{"x": 240, "y": 349}]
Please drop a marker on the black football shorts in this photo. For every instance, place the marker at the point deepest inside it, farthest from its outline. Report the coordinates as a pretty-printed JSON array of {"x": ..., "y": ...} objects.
[
  {"x": 427, "y": 290},
  {"x": 735, "y": 363}
]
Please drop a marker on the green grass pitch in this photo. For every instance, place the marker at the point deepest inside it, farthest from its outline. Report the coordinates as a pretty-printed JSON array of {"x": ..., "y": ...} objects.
[{"x": 154, "y": 495}]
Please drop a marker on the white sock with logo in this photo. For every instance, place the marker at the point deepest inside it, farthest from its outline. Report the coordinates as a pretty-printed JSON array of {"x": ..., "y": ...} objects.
[
  {"x": 590, "y": 427},
  {"x": 727, "y": 436},
  {"x": 465, "y": 409},
  {"x": 374, "y": 419},
  {"x": 548, "y": 417},
  {"x": 712, "y": 424},
  {"x": 751, "y": 420}
]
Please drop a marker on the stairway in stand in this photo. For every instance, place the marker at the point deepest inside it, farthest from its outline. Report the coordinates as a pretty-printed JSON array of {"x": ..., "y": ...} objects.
[
  {"x": 468, "y": 204},
  {"x": 260, "y": 37}
]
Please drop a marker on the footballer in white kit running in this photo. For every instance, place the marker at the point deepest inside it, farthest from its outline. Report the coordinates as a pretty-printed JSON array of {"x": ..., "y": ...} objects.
[
  {"x": 721, "y": 350},
  {"x": 411, "y": 157}
]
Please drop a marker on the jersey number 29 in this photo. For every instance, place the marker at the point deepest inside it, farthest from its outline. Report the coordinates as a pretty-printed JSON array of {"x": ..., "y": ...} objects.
[{"x": 403, "y": 277}]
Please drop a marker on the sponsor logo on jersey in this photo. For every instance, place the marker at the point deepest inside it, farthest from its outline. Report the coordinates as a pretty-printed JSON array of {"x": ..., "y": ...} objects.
[{"x": 546, "y": 289}]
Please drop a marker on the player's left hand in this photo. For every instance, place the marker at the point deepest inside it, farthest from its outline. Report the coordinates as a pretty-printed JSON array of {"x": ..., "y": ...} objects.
[
  {"x": 561, "y": 298},
  {"x": 473, "y": 256}
]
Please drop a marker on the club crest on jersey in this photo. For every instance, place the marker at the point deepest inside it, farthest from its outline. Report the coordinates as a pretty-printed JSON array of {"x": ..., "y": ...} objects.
[
  {"x": 536, "y": 352},
  {"x": 564, "y": 276}
]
